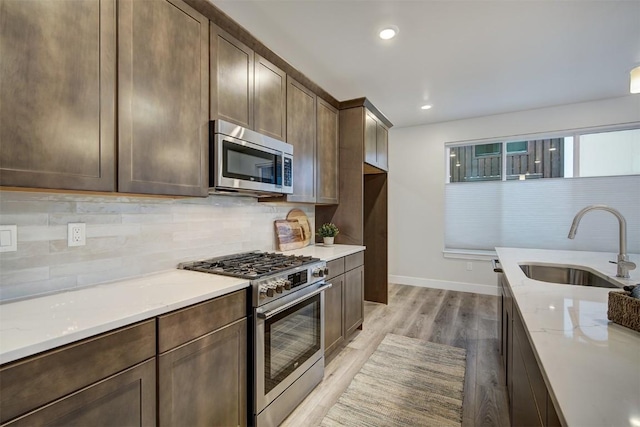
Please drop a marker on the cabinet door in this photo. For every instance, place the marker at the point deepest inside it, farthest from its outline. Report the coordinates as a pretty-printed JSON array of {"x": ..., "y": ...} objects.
[
  {"x": 231, "y": 79},
  {"x": 505, "y": 325},
  {"x": 163, "y": 66},
  {"x": 524, "y": 411},
  {"x": 301, "y": 133},
  {"x": 333, "y": 320},
  {"x": 353, "y": 300},
  {"x": 270, "y": 99},
  {"x": 203, "y": 383},
  {"x": 125, "y": 399},
  {"x": 327, "y": 154},
  {"x": 370, "y": 137},
  {"x": 382, "y": 142},
  {"x": 57, "y": 120}
]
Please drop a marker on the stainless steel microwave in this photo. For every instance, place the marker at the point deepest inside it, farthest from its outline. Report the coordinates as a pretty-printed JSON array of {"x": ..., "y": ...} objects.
[{"x": 243, "y": 161}]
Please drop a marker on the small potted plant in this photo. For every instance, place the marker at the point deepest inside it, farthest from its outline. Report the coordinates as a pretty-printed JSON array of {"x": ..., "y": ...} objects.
[{"x": 328, "y": 232}]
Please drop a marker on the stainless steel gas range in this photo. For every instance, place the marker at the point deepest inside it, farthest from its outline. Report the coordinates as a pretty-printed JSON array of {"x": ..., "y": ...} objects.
[{"x": 288, "y": 327}]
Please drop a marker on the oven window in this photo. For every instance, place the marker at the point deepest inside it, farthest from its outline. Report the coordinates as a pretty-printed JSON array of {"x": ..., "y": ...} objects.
[
  {"x": 249, "y": 164},
  {"x": 291, "y": 337}
]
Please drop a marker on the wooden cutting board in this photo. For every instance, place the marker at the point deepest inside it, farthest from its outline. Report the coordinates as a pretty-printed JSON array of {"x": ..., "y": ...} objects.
[
  {"x": 289, "y": 233},
  {"x": 301, "y": 217}
]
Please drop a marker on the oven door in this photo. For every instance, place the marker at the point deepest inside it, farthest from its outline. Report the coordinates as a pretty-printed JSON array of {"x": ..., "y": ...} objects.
[
  {"x": 289, "y": 340},
  {"x": 245, "y": 166}
]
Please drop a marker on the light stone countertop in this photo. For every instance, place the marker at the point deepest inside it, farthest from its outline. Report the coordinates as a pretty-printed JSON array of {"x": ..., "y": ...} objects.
[
  {"x": 42, "y": 323},
  {"x": 33, "y": 325},
  {"x": 326, "y": 253},
  {"x": 591, "y": 366}
]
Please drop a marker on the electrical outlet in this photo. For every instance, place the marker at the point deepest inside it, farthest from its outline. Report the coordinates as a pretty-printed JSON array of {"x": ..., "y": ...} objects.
[
  {"x": 8, "y": 238},
  {"x": 469, "y": 266},
  {"x": 76, "y": 234}
]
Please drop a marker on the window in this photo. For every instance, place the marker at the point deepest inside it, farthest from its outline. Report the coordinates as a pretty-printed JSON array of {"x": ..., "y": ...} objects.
[
  {"x": 512, "y": 204},
  {"x": 609, "y": 153},
  {"x": 482, "y": 150}
]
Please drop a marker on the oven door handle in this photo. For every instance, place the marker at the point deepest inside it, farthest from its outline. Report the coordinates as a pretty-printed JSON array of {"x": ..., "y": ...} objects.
[{"x": 270, "y": 313}]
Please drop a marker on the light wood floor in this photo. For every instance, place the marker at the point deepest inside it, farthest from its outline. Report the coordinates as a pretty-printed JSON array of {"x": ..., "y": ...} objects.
[{"x": 459, "y": 319}]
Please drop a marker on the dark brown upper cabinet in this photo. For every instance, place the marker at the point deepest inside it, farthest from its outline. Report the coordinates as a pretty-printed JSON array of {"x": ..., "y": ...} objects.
[
  {"x": 382, "y": 146},
  {"x": 375, "y": 142},
  {"x": 231, "y": 79},
  {"x": 270, "y": 99},
  {"x": 57, "y": 120},
  {"x": 327, "y": 150},
  {"x": 301, "y": 133},
  {"x": 246, "y": 89},
  {"x": 163, "y": 98}
]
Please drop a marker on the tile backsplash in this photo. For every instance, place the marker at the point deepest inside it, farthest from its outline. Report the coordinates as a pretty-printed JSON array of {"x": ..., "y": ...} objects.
[{"x": 126, "y": 236}]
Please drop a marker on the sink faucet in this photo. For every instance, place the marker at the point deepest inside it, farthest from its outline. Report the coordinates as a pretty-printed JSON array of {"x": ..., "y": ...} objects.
[{"x": 624, "y": 265}]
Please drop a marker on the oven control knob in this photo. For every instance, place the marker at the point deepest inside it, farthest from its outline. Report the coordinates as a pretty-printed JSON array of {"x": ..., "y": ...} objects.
[
  {"x": 287, "y": 284},
  {"x": 318, "y": 272},
  {"x": 266, "y": 291},
  {"x": 279, "y": 286},
  {"x": 326, "y": 271}
]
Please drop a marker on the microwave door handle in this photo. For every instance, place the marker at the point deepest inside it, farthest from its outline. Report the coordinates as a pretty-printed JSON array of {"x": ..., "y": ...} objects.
[{"x": 270, "y": 313}]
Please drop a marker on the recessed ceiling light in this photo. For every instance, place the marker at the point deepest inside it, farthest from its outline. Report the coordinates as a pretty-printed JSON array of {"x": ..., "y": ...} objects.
[
  {"x": 552, "y": 148},
  {"x": 537, "y": 161},
  {"x": 389, "y": 32},
  {"x": 426, "y": 107}
]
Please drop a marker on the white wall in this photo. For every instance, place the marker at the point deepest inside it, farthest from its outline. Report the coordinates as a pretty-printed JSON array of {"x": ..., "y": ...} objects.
[{"x": 417, "y": 176}]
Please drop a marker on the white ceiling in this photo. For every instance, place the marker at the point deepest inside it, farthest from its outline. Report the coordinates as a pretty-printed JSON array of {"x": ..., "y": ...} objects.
[{"x": 467, "y": 58}]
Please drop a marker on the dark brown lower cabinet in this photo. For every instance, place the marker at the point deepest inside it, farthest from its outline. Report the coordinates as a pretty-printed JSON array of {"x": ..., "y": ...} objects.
[
  {"x": 524, "y": 408},
  {"x": 125, "y": 399},
  {"x": 344, "y": 301},
  {"x": 106, "y": 380},
  {"x": 203, "y": 382},
  {"x": 530, "y": 402},
  {"x": 333, "y": 319},
  {"x": 353, "y": 299},
  {"x": 196, "y": 371}
]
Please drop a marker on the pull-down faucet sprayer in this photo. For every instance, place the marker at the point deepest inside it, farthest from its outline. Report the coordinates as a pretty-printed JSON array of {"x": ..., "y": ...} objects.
[{"x": 624, "y": 265}]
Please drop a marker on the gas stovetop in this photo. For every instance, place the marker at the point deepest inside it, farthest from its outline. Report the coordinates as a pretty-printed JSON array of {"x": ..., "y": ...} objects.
[{"x": 249, "y": 265}]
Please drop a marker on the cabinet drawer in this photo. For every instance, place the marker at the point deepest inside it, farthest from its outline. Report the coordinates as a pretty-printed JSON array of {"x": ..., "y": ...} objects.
[
  {"x": 336, "y": 268},
  {"x": 192, "y": 322},
  {"x": 30, "y": 383},
  {"x": 353, "y": 261}
]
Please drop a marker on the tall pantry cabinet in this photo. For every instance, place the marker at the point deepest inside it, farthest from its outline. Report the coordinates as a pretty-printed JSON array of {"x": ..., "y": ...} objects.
[{"x": 362, "y": 212}]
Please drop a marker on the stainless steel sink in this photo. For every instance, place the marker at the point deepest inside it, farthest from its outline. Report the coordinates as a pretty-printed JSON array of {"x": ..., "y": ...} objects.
[{"x": 566, "y": 276}]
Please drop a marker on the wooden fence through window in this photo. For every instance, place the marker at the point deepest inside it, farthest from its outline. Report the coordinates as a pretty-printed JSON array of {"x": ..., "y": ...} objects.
[{"x": 544, "y": 158}]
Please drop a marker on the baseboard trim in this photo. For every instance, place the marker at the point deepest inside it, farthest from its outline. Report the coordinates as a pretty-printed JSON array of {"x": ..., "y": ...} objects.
[{"x": 444, "y": 284}]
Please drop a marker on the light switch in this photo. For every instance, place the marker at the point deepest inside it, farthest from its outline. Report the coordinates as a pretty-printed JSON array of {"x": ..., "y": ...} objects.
[{"x": 8, "y": 238}]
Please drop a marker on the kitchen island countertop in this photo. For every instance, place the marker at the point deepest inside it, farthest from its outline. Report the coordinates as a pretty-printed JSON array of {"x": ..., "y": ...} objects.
[{"x": 591, "y": 366}]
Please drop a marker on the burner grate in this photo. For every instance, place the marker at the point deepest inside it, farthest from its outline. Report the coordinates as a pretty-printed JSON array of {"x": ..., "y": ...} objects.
[{"x": 250, "y": 265}]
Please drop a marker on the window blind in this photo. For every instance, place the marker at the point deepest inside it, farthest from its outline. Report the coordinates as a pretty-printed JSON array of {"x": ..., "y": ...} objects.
[{"x": 538, "y": 213}]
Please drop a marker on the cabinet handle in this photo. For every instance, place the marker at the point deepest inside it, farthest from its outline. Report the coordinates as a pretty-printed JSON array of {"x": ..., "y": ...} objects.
[{"x": 497, "y": 267}]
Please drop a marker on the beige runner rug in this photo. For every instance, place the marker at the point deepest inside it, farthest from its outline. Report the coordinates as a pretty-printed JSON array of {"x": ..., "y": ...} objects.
[{"x": 405, "y": 382}]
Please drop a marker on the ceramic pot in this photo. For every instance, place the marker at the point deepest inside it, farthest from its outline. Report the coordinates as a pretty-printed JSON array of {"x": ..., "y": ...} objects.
[{"x": 328, "y": 241}]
